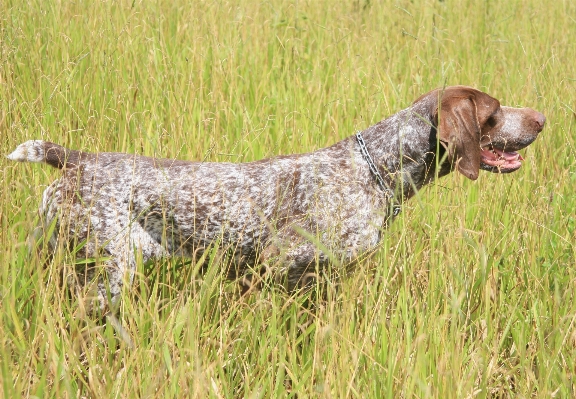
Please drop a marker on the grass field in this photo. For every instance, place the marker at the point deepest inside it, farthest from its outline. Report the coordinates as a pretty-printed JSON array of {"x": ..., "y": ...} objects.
[{"x": 472, "y": 293}]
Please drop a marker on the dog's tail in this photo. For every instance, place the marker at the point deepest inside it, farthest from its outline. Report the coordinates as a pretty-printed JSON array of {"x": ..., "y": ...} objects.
[{"x": 43, "y": 152}]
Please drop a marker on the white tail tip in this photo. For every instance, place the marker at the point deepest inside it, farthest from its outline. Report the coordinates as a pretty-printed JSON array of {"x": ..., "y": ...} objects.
[{"x": 30, "y": 151}]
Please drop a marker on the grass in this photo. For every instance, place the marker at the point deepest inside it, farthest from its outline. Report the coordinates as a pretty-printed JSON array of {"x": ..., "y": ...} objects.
[{"x": 472, "y": 292}]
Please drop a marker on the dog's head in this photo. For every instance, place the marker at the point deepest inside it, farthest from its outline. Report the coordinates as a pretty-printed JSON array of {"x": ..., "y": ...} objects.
[{"x": 479, "y": 133}]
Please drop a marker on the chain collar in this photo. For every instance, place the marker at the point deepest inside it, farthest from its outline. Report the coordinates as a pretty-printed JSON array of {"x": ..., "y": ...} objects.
[{"x": 395, "y": 208}]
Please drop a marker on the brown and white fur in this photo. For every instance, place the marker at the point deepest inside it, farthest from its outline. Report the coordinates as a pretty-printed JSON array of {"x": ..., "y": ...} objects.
[{"x": 293, "y": 214}]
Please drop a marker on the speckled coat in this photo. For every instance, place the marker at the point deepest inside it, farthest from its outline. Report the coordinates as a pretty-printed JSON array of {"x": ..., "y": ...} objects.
[{"x": 293, "y": 214}]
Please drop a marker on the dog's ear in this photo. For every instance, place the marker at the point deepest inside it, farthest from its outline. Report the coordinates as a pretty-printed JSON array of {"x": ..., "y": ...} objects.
[{"x": 460, "y": 116}]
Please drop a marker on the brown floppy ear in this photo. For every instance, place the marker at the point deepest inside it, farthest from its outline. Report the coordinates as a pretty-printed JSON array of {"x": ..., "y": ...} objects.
[{"x": 463, "y": 112}]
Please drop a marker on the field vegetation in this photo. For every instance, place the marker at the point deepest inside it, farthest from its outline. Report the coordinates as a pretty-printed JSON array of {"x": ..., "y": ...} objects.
[{"x": 472, "y": 293}]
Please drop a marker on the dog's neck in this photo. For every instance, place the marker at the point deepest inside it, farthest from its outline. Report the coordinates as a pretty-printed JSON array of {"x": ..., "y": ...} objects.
[{"x": 397, "y": 143}]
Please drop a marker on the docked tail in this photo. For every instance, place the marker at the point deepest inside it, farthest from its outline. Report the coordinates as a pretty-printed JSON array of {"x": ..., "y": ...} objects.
[{"x": 43, "y": 152}]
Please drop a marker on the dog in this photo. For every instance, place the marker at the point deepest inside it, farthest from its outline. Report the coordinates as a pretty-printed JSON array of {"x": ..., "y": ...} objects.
[{"x": 291, "y": 214}]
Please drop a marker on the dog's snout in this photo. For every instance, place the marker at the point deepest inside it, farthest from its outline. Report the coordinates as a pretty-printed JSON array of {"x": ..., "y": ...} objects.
[{"x": 540, "y": 120}]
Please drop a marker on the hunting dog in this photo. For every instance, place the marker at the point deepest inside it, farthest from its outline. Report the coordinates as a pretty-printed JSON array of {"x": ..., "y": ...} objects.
[{"x": 292, "y": 214}]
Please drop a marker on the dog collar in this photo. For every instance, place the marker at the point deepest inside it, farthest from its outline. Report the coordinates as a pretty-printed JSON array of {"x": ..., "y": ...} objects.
[{"x": 395, "y": 208}]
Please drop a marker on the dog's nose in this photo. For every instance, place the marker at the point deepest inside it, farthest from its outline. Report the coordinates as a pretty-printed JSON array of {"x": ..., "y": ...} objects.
[{"x": 540, "y": 120}]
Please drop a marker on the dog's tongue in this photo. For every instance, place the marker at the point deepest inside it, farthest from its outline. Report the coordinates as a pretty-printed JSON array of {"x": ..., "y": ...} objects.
[{"x": 501, "y": 159}]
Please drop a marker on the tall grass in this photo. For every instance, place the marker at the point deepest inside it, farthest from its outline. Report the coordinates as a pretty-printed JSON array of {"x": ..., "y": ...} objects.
[{"x": 472, "y": 292}]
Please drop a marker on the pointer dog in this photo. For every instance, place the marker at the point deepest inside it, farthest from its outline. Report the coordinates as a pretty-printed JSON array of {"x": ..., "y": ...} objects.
[{"x": 292, "y": 214}]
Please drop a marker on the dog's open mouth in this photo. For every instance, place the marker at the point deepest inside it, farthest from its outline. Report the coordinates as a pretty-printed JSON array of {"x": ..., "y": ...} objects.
[{"x": 503, "y": 161}]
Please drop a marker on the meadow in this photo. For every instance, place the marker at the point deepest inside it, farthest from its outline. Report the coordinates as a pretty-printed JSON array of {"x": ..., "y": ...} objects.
[{"x": 472, "y": 291}]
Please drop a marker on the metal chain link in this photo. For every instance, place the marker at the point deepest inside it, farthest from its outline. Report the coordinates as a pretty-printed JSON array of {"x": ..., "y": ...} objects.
[{"x": 395, "y": 208}]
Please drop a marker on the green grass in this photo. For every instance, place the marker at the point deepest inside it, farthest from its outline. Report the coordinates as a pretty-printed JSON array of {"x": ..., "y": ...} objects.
[{"x": 472, "y": 293}]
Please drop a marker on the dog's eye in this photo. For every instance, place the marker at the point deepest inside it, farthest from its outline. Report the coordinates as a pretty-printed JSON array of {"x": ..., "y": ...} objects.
[{"x": 491, "y": 122}]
